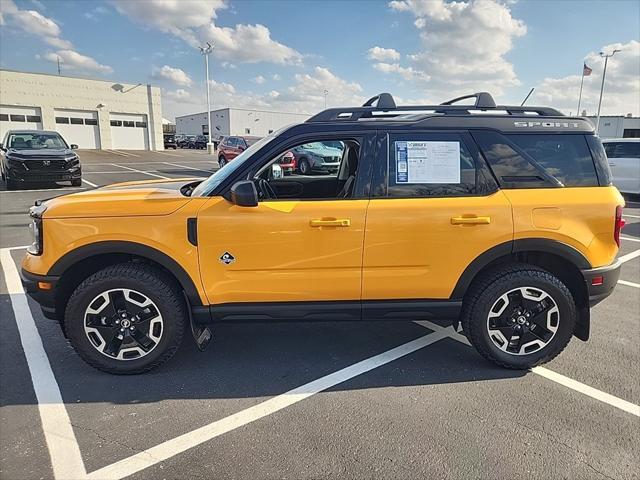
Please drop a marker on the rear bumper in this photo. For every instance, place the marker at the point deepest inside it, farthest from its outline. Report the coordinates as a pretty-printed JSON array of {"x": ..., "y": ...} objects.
[{"x": 601, "y": 281}]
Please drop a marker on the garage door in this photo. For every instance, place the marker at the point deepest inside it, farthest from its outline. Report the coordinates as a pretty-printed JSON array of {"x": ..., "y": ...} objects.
[
  {"x": 19, "y": 118},
  {"x": 129, "y": 131},
  {"x": 79, "y": 127}
]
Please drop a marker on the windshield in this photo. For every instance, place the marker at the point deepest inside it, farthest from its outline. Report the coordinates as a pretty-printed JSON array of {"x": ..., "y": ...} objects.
[
  {"x": 36, "y": 141},
  {"x": 211, "y": 183}
]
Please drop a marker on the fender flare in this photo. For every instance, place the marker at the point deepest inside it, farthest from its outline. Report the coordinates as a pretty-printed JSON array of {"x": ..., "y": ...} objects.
[
  {"x": 521, "y": 245},
  {"x": 129, "y": 248}
]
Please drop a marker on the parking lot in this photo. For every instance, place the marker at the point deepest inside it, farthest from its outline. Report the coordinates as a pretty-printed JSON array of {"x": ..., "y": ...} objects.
[{"x": 320, "y": 400}]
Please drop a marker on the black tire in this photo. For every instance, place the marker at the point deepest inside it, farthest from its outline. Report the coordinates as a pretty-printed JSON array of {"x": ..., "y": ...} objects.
[
  {"x": 157, "y": 286},
  {"x": 304, "y": 167},
  {"x": 486, "y": 292},
  {"x": 222, "y": 161},
  {"x": 76, "y": 182}
]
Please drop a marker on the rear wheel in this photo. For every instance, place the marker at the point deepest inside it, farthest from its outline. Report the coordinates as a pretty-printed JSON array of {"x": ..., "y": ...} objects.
[
  {"x": 126, "y": 319},
  {"x": 304, "y": 166},
  {"x": 519, "y": 316}
]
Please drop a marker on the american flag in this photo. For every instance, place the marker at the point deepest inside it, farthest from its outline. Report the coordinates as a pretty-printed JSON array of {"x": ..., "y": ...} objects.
[{"x": 586, "y": 71}]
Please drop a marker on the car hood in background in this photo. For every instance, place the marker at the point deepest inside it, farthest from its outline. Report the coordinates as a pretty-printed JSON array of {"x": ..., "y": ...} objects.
[
  {"x": 130, "y": 199},
  {"x": 39, "y": 153}
]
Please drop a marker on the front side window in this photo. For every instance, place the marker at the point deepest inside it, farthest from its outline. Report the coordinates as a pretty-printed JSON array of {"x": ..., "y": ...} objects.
[
  {"x": 321, "y": 170},
  {"x": 430, "y": 165},
  {"x": 36, "y": 141}
]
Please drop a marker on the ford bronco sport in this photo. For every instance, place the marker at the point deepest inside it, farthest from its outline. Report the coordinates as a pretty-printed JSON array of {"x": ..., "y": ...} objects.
[{"x": 502, "y": 219}]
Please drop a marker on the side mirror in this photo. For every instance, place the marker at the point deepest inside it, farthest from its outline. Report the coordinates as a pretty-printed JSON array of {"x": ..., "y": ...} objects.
[
  {"x": 74, "y": 146},
  {"x": 241, "y": 149},
  {"x": 244, "y": 194}
]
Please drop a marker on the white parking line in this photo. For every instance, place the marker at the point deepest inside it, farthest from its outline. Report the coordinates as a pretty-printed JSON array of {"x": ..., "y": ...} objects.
[
  {"x": 126, "y": 154},
  {"x": 89, "y": 183},
  {"x": 594, "y": 393},
  {"x": 631, "y": 216},
  {"x": 117, "y": 153},
  {"x": 141, "y": 171},
  {"x": 169, "y": 154},
  {"x": 64, "y": 451},
  {"x": 629, "y": 256},
  {"x": 188, "y": 168},
  {"x": 170, "y": 448},
  {"x": 629, "y": 284},
  {"x": 631, "y": 239}
]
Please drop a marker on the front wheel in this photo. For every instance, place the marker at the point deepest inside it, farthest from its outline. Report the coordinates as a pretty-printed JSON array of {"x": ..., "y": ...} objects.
[
  {"x": 304, "y": 167},
  {"x": 76, "y": 182},
  {"x": 125, "y": 319},
  {"x": 222, "y": 161},
  {"x": 519, "y": 316}
]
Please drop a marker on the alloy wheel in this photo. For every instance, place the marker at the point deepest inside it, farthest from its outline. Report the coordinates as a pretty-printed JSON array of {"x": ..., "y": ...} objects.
[
  {"x": 523, "y": 320},
  {"x": 123, "y": 324}
]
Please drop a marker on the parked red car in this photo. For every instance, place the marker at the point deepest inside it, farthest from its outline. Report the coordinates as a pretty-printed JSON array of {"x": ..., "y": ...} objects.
[{"x": 230, "y": 147}]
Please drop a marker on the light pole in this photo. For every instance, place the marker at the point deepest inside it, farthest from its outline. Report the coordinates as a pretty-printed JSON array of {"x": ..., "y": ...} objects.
[
  {"x": 326, "y": 92},
  {"x": 206, "y": 51},
  {"x": 604, "y": 74}
]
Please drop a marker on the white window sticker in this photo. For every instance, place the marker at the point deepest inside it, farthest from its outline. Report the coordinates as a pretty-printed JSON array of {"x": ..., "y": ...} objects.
[{"x": 427, "y": 162}]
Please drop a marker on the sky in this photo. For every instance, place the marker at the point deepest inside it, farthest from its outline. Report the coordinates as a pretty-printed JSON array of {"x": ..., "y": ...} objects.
[{"x": 283, "y": 55}]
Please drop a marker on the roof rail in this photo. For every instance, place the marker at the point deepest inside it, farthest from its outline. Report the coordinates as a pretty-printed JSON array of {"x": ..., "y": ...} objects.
[{"x": 386, "y": 108}]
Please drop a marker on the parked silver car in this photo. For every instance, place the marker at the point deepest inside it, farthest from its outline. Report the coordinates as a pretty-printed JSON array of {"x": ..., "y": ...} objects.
[{"x": 624, "y": 160}]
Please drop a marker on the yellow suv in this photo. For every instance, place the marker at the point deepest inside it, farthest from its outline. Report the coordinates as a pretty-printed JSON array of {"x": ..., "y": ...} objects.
[{"x": 502, "y": 219}]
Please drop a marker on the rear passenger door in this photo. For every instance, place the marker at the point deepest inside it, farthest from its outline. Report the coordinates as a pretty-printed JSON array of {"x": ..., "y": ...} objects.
[
  {"x": 434, "y": 209},
  {"x": 624, "y": 160}
]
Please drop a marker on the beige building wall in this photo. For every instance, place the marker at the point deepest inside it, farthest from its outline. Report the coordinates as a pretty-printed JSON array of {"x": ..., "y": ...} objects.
[{"x": 50, "y": 92}]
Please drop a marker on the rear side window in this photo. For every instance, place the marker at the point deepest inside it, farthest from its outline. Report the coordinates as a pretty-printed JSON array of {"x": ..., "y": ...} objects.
[
  {"x": 622, "y": 149},
  {"x": 566, "y": 157},
  {"x": 430, "y": 165}
]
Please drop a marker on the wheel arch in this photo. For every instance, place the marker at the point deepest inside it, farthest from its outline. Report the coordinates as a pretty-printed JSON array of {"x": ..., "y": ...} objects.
[
  {"x": 79, "y": 264},
  {"x": 559, "y": 259}
]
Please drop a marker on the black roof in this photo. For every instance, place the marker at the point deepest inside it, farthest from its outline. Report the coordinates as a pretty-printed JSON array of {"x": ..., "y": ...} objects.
[{"x": 483, "y": 113}]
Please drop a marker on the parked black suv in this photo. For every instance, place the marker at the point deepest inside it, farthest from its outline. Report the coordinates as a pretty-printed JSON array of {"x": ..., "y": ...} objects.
[
  {"x": 38, "y": 156},
  {"x": 198, "y": 142},
  {"x": 170, "y": 141}
]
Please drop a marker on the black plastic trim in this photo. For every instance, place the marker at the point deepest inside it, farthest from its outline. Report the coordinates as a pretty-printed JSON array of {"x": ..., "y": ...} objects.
[
  {"x": 129, "y": 248},
  {"x": 192, "y": 231},
  {"x": 610, "y": 275},
  {"x": 477, "y": 265}
]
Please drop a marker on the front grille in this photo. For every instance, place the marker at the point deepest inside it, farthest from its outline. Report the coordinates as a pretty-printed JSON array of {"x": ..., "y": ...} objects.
[
  {"x": 331, "y": 159},
  {"x": 45, "y": 164}
]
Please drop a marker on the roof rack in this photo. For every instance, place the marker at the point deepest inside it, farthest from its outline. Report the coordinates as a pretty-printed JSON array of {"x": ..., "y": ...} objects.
[{"x": 385, "y": 107}]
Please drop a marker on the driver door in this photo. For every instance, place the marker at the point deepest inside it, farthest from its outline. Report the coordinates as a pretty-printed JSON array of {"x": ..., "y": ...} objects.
[{"x": 284, "y": 250}]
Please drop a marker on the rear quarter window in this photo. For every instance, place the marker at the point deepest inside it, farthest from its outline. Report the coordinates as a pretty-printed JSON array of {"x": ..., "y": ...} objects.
[{"x": 566, "y": 157}]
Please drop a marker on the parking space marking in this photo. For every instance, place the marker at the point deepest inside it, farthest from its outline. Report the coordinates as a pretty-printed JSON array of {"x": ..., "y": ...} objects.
[
  {"x": 117, "y": 153},
  {"x": 631, "y": 239},
  {"x": 170, "y": 448},
  {"x": 169, "y": 154},
  {"x": 188, "y": 168},
  {"x": 89, "y": 183},
  {"x": 126, "y": 154},
  {"x": 629, "y": 284},
  {"x": 629, "y": 256},
  {"x": 60, "y": 438},
  {"x": 575, "y": 385},
  {"x": 141, "y": 171},
  {"x": 631, "y": 216}
]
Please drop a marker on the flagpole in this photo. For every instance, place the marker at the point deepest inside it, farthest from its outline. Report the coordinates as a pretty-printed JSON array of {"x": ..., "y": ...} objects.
[
  {"x": 604, "y": 74},
  {"x": 580, "y": 96}
]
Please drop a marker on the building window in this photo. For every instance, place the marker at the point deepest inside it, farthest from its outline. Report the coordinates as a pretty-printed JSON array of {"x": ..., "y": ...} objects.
[
  {"x": 116, "y": 123},
  {"x": 17, "y": 118},
  {"x": 4, "y": 117},
  {"x": 77, "y": 121},
  {"x": 128, "y": 123},
  {"x": 631, "y": 133},
  {"x": 64, "y": 120},
  {"x": 247, "y": 130},
  {"x": 90, "y": 121},
  {"x": 34, "y": 118},
  {"x": 141, "y": 124}
]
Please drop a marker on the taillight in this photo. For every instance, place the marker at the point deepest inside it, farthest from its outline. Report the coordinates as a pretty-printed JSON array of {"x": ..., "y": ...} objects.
[{"x": 618, "y": 225}]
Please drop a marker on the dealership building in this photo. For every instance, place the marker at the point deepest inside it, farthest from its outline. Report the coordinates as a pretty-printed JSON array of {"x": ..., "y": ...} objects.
[
  {"x": 617, "y": 126},
  {"x": 236, "y": 121},
  {"x": 94, "y": 114}
]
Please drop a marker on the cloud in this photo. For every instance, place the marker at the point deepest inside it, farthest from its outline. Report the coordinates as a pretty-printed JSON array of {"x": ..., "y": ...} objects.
[
  {"x": 73, "y": 60},
  {"x": 621, "y": 91},
  {"x": 275, "y": 77},
  {"x": 173, "y": 75},
  {"x": 463, "y": 46},
  {"x": 194, "y": 23},
  {"x": 383, "y": 54},
  {"x": 179, "y": 95},
  {"x": 306, "y": 95},
  {"x": 259, "y": 79}
]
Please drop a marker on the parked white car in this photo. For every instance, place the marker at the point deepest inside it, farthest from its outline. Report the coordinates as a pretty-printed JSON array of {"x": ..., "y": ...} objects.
[{"x": 624, "y": 160}]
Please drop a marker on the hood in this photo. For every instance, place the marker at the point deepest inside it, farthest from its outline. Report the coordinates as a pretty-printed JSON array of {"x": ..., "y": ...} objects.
[
  {"x": 324, "y": 151},
  {"x": 129, "y": 199},
  {"x": 42, "y": 152}
]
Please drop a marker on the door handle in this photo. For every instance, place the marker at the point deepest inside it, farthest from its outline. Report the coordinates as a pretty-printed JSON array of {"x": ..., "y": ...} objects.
[
  {"x": 474, "y": 220},
  {"x": 611, "y": 164},
  {"x": 330, "y": 222}
]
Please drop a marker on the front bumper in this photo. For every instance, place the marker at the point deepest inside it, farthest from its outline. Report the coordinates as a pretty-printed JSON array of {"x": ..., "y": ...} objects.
[
  {"x": 44, "y": 176},
  {"x": 601, "y": 281},
  {"x": 32, "y": 284}
]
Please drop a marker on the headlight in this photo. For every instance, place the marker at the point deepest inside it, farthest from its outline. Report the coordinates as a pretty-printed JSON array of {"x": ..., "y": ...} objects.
[{"x": 36, "y": 229}]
